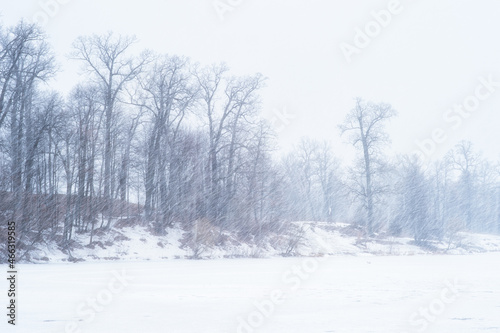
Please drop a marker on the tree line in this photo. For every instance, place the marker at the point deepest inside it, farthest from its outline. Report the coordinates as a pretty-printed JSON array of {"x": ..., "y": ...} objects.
[{"x": 158, "y": 140}]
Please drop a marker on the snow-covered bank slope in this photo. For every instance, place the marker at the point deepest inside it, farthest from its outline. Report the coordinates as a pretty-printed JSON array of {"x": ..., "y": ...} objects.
[{"x": 302, "y": 239}]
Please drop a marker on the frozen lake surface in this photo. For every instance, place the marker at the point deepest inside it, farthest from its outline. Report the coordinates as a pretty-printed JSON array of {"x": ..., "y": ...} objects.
[{"x": 334, "y": 294}]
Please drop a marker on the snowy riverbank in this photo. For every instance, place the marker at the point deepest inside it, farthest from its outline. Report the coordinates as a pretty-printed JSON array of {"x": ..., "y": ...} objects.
[{"x": 136, "y": 243}]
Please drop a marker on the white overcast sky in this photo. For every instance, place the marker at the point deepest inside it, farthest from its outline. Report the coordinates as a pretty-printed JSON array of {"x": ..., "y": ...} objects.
[{"x": 426, "y": 60}]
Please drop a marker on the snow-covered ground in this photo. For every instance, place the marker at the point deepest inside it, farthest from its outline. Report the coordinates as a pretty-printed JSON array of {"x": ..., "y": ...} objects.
[{"x": 425, "y": 293}]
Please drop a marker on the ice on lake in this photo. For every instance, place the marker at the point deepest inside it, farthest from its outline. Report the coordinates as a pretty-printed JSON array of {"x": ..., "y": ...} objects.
[{"x": 334, "y": 294}]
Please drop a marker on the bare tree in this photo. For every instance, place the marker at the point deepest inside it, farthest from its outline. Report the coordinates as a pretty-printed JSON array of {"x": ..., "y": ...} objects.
[
  {"x": 415, "y": 194},
  {"x": 229, "y": 103},
  {"x": 466, "y": 162},
  {"x": 87, "y": 118},
  {"x": 106, "y": 61},
  {"x": 258, "y": 192},
  {"x": 365, "y": 123},
  {"x": 486, "y": 203},
  {"x": 306, "y": 153},
  {"x": 25, "y": 56},
  {"x": 327, "y": 171},
  {"x": 168, "y": 95},
  {"x": 25, "y": 61}
]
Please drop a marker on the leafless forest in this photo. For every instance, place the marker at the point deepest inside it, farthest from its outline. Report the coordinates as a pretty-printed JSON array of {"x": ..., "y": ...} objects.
[{"x": 157, "y": 140}]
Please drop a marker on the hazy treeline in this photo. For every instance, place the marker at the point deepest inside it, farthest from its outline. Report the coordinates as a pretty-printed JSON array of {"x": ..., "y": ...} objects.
[{"x": 187, "y": 142}]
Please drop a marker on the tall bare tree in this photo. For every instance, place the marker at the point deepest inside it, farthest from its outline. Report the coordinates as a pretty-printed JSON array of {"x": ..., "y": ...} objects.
[
  {"x": 466, "y": 162},
  {"x": 107, "y": 62},
  {"x": 365, "y": 124},
  {"x": 168, "y": 95},
  {"x": 229, "y": 103},
  {"x": 25, "y": 61}
]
